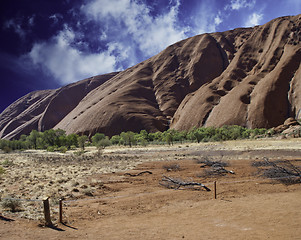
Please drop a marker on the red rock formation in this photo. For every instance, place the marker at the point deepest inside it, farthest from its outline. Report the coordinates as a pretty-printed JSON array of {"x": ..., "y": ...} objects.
[
  {"x": 42, "y": 110},
  {"x": 247, "y": 76}
]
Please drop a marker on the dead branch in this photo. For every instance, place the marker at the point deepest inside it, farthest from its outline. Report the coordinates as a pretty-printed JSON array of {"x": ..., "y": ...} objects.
[
  {"x": 177, "y": 183},
  {"x": 216, "y": 171},
  {"x": 210, "y": 163},
  {"x": 138, "y": 174},
  {"x": 284, "y": 171}
]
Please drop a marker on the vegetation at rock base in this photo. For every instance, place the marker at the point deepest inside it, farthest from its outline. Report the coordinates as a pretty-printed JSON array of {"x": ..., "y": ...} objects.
[{"x": 58, "y": 140}]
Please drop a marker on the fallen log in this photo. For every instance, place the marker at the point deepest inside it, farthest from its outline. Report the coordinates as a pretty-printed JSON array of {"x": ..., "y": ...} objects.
[
  {"x": 178, "y": 183},
  {"x": 138, "y": 174}
]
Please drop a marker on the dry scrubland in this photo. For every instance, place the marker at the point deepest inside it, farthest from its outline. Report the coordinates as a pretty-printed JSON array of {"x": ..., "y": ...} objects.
[{"x": 111, "y": 202}]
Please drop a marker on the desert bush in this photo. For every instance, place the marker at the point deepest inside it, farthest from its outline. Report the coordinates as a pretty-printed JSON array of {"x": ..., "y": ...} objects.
[
  {"x": 172, "y": 167},
  {"x": 12, "y": 204},
  {"x": 2, "y": 171},
  {"x": 7, "y": 163},
  {"x": 7, "y": 149},
  {"x": 79, "y": 153},
  {"x": 88, "y": 192},
  {"x": 62, "y": 149},
  {"x": 72, "y": 147},
  {"x": 51, "y": 149},
  {"x": 103, "y": 143}
]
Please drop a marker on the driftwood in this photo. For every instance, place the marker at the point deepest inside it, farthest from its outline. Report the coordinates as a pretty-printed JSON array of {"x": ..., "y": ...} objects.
[
  {"x": 138, "y": 174},
  {"x": 177, "y": 183}
]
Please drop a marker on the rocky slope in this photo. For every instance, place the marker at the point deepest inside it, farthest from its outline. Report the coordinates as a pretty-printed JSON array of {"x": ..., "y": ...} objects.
[
  {"x": 42, "y": 110},
  {"x": 247, "y": 76}
]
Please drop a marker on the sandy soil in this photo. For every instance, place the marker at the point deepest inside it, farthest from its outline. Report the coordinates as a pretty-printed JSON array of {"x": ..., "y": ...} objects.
[{"x": 104, "y": 202}]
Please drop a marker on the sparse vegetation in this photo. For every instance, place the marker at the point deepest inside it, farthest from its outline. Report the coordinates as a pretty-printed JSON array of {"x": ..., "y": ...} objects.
[
  {"x": 7, "y": 163},
  {"x": 2, "y": 171},
  {"x": 172, "y": 167},
  {"x": 57, "y": 140},
  {"x": 11, "y": 204}
]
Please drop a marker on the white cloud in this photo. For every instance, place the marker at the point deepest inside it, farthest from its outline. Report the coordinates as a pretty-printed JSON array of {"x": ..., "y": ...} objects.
[
  {"x": 31, "y": 21},
  {"x": 254, "y": 19},
  {"x": 16, "y": 26},
  {"x": 205, "y": 17},
  {"x": 133, "y": 20},
  {"x": 127, "y": 28},
  {"x": 218, "y": 19},
  {"x": 66, "y": 63},
  {"x": 55, "y": 18},
  {"x": 238, "y": 4}
]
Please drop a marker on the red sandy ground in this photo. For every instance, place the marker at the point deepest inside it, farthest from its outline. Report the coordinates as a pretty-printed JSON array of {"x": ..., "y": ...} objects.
[{"x": 247, "y": 207}]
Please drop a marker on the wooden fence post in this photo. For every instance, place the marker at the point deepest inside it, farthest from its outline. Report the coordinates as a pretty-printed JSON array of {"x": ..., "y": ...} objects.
[
  {"x": 47, "y": 212},
  {"x": 214, "y": 189},
  {"x": 61, "y": 210}
]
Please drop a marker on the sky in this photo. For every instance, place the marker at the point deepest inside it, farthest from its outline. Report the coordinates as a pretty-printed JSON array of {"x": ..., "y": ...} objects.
[{"x": 46, "y": 44}]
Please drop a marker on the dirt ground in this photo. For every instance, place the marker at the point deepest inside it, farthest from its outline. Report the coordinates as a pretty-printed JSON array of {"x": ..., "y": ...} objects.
[{"x": 120, "y": 194}]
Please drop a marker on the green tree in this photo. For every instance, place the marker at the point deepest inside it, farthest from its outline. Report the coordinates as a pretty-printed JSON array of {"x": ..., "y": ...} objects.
[
  {"x": 49, "y": 137},
  {"x": 115, "y": 139},
  {"x": 103, "y": 143},
  {"x": 60, "y": 137},
  {"x": 82, "y": 141},
  {"x": 128, "y": 138},
  {"x": 32, "y": 138},
  {"x": 72, "y": 140},
  {"x": 97, "y": 138}
]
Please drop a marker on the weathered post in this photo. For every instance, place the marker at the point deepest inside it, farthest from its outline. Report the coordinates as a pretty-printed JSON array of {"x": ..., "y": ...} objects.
[
  {"x": 214, "y": 189},
  {"x": 61, "y": 210},
  {"x": 47, "y": 212}
]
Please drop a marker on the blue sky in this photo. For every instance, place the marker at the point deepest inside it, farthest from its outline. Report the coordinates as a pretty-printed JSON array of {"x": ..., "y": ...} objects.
[{"x": 50, "y": 43}]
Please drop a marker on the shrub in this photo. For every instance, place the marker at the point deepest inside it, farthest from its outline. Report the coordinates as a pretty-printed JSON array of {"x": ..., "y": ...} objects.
[
  {"x": 63, "y": 149},
  {"x": 2, "y": 171},
  {"x": 7, "y": 163},
  {"x": 103, "y": 143},
  {"x": 7, "y": 149},
  {"x": 13, "y": 205},
  {"x": 78, "y": 153},
  {"x": 51, "y": 149},
  {"x": 172, "y": 167}
]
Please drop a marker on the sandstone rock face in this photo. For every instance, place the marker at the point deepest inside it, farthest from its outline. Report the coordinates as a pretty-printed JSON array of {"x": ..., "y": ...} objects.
[
  {"x": 248, "y": 76},
  {"x": 259, "y": 88},
  {"x": 42, "y": 110}
]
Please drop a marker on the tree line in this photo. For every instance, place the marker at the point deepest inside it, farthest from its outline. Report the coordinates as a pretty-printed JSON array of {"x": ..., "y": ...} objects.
[{"x": 58, "y": 140}]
